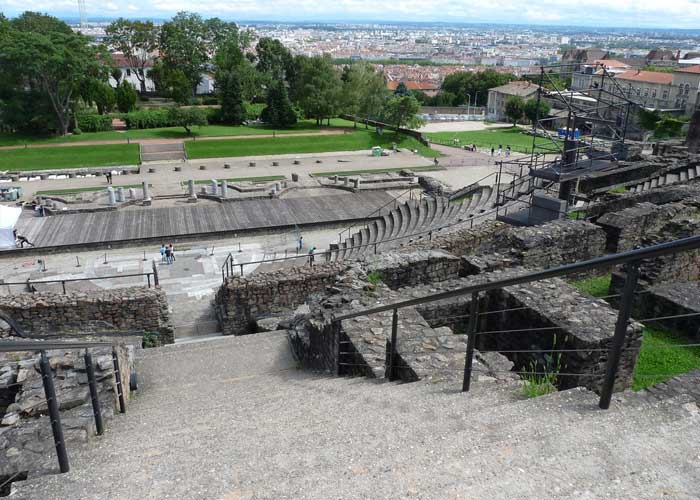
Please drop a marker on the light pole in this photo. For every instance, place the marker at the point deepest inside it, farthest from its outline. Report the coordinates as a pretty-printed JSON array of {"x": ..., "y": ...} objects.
[
  {"x": 475, "y": 101},
  {"x": 469, "y": 101}
]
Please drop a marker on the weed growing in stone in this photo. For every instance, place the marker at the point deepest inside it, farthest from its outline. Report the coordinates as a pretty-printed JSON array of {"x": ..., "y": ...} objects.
[
  {"x": 374, "y": 277},
  {"x": 542, "y": 376},
  {"x": 150, "y": 339}
]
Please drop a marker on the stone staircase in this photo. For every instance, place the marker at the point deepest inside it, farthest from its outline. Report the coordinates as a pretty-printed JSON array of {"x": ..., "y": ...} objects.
[
  {"x": 413, "y": 221},
  {"x": 164, "y": 152},
  {"x": 233, "y": 418},
  {"x": 680, "y": 176}
]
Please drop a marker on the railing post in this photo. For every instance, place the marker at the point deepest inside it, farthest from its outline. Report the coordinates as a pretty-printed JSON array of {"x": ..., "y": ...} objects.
[
  {"x": 336, "y": 332},
  {"x": 618, "y": 341},
  {"x": 156, "y": 280},
  {"x": 148, "y": 278},
  {"x": 94, "y": 397},
  {"x": 471, "y": 341},
  {"x": 241, "y": 269},
  {"x": 54, "y": 415},
  {"x": 392, "y": 351},
  {"x": 118, "y": 381},
  {"x": 63, "y": 284}
]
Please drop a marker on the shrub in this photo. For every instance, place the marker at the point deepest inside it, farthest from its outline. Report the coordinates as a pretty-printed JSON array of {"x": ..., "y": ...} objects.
[
  {"x": 94, "y": 123},
  {"x": 126, "y": 97},
  {"x": 77, "y": 131},
  {"x": 148, "y": 118}
]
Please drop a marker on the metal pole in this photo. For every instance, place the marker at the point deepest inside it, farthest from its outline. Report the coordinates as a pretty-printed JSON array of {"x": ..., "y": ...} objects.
[
  {"x": 156, "y": 279},
  {"x": 90, "y": 368},
  {"x": 144, "y": 256},
  {"x": 618, "y": 341},
  {"x": 118, "y": 380},
  {"x": 336, "y": 332},
  {"x": 54, "y": 415},
  {"x": 241, "y": 269},
  {"x": 78, "y": 261},
  {"x": 471, "y": 341},
  {"x": 148, "y": 277},
  {"x": 392, "y": 352},
  {"x": 63, "y": 284}
]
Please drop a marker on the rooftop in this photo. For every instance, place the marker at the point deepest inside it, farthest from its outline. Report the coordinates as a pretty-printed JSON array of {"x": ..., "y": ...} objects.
[
  {"x": 647, "y": 77},
  {"x": 520, "y": 88},
  {"x": 689, "y": 69}
]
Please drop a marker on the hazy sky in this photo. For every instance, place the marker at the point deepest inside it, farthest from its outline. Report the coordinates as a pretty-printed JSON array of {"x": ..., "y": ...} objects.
[{"x": 630, "y": 13}]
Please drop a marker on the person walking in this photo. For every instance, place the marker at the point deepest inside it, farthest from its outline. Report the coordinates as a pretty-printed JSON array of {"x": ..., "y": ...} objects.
[
  {"x": 311, "y": 256},
  {"x": 300, "y": 243},
  {"x": 168, "y": 258},
  {"x": 162, "y": 252},
  {"x": 22, "y": 240},
  {"x": 172, "y": 253},
  {"x": 500, "y": 150},
  {"x": 492, "y": 150},
  {"x": 508, "y": 150}
]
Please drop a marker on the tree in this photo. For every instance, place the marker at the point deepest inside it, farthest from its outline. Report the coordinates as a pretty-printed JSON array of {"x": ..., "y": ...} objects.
[
  {"x": 43, "y": 57},
  {"x": 401, "y": 111},
  {"x": 187, "y": 118},
  {"x": 126, "y": 97},
  {"x": 474, "y": 87},
  {"x": 361, "y": 86},
  {"x": 402, "y": 90},
  {"x": 274, "y": 59},
  {"x": 228, "y": 86},
  {"x": 534, "y": 111},
  {"x": 279, "y": 111},
  {"x": 116, "y": 73},
  {"x": 137, "y": 40},
  {"x": 444, "y": 98},
  {"x": 104, "y": 97},
  {"x": 515, "y": 107},
  {"x": 320, "y": 90}
]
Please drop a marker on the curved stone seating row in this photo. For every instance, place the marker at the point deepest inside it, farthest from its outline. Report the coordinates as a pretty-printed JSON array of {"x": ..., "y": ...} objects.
[
  {"x": 414, "y": 220},
  {"x": 666, "y": 179}
]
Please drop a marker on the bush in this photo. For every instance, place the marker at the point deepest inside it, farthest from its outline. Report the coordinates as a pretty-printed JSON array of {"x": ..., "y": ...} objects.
[
  {"x": 148, "y": 118},
  {"x": 126, "y": 97},
  {"x": 94, "y": 123},
  {"x": 210, "y": 100},
  {"x": 77, "y": 131}
]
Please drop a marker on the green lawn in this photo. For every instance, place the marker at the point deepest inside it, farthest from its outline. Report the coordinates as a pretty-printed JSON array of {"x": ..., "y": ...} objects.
[
  {"x": 306, "y": 126},
  {"x": 59, "y": 192},
  {"x": 492, "y": 138},
  {"x": 360, "y": 139},
  {"x": 69, "y": 157},
  {"x": 429, "y": 168},
  {"x": 661, "y": 356}
]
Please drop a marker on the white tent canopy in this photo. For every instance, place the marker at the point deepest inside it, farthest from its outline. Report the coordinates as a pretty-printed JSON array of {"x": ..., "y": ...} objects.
[{"x": 8, "y": 219}]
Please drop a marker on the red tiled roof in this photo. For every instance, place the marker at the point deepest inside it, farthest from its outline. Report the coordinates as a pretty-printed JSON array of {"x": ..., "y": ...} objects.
[
  {"x": 120, "y": 61},
  {"x": 414, "y": 85},
  {"x": 646, "y": 77},
  {"x": 690, "y": 69}
]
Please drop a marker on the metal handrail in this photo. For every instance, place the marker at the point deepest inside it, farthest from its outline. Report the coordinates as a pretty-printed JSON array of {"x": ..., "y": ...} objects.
[
  {"x": 661, "y": 249},
  {"x": 95, "y": 278},
  {"x": 40, "y": 345}
]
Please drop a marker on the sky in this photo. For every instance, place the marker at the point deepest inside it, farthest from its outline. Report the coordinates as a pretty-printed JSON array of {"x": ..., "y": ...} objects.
[{"x": 605, "y": 13}]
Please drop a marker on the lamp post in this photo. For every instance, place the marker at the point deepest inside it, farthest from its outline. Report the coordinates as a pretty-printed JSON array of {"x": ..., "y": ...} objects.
[{"x": 469, "y": 101}]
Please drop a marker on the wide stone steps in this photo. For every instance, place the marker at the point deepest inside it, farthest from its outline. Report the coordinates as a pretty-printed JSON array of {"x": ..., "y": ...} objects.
[
  {"x": 414, "y": 220},
  {"x": 163, "y": 152},
  {"x": 234, "y": 418},
  {"x": 667, "y": 179}
]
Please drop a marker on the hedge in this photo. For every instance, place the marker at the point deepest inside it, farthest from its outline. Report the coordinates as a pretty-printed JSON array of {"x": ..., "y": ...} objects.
[
  {"x": 94, "y": 123},
  {"x": 148, "y": 118}
]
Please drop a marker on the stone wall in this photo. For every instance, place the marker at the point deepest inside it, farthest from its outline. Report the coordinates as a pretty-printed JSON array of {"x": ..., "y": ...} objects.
[
  {"x": 627, "y": 228},
  {"x": 672, "y": 301},
  {"x": 26, "y": 440},
  {"x": 117, "y": 311},
  {"x": 549, "y": 245},
  {"x": 675, "y": 268},
  {"x": 399, "y": 269},
  {"x": 461, "y": 239},
  {"x": 241, "y": 300}
]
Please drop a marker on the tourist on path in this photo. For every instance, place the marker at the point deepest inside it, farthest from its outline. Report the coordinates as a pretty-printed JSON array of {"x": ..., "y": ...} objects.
[
  {"x": 500, "y": 150},
  {"x": 20, "y": 240},
  {"x": 300, "y": 245},
  {"x": 492, "y": 150},
  {"x": 168, "y": 257},
  {"x": 172, "y": 253},
  {"x": 311, "y": 256},
  {"x": 508, "y": 150},
  {"x": 162, "y": 252}
]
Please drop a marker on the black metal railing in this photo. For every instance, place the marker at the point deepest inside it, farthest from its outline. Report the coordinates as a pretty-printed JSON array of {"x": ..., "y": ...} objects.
[
  {"x": 630, "y": 260},
  {"x": 51, "y": 398}
]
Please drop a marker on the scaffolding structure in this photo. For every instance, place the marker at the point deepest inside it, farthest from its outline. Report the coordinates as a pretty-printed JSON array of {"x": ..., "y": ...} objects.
[
  {"x": 591, "y": 136},
  {"x": 83, "y": 15}
]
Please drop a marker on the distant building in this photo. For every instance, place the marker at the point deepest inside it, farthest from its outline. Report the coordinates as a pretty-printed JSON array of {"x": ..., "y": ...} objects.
[
  {"x": 129, "y": 73},
  {"x": 591, "y": 75},
  {"x": 662, "y": 57},
  {"x": 572, "y": 60},
  {"x": 651, "y": 89},
  {"x": 430, "y": 88},
  {"x": 498, "y": 96},
  {"x": 686, "y": 88}
]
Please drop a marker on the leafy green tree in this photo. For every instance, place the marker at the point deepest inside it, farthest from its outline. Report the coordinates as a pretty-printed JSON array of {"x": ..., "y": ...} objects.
[
  {"x": 534, "y": 111},
  {"x": 279, "y": 111},
  {"x": 361, "y": 86},
  {"x": 402, "y": 90},
  {"x": 187, "y": 118},
  {"x": 126, "y": 97},
  {"x": 137, "y": 40},
  {"x": 401, "y": 111},
  {"x": 104, "y": 97},
  {"x": 274, "y": 59},
  {"x": 230, "y": 96},
  {"x": 444, "y": 98},
  {"x": 116, "y": 73},
  {"x": 320, "y": 92},
  {"x": 515, "y": 108},
  {"x": 661, "y": 125},
  {"x": 42, "y": 56},
  {"x": 476, "y": 85}
]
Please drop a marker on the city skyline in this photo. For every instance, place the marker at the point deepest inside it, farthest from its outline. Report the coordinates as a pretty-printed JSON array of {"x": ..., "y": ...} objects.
[{"x": 675, "y": 14}]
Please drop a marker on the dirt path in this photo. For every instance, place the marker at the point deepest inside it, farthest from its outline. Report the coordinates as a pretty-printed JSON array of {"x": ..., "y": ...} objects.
[{"x": 331, "y": 131}]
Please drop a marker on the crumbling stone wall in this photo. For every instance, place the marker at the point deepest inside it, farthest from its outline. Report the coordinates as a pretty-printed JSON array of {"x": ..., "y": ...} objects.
[
  {"x": 26, "y": 440},
  {"x": 675, "y": 268},
  {"x": 117, "y": 311},
  {"x": 241, "y": 300},
  {"x": 399, "y": 269},
  {"x": 460, "y": 239},
  {"x": 548, "y": 245},
  {"x": 627, "y": 228}
]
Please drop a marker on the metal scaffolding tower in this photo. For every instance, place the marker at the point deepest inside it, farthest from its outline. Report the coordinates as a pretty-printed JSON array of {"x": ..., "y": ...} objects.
[{"x": 81, "y": 10}]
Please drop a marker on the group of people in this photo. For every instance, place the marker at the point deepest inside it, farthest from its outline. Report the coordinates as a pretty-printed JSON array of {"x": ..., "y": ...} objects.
[
  {"x": 500, "y": 150},
  {"x": 167, "y": 253}
]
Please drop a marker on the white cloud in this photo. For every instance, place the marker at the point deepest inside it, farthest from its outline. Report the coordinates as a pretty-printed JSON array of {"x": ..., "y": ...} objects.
[{"x": 672, "y": 13}]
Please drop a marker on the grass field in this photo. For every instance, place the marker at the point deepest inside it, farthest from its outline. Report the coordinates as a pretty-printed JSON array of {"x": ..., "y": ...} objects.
[
  {"x": 360, "y": 139},
  {"x": 662, "y": 354},
  {"x": 306, "y": 126},
  {"x": 69, "y": 157},
  {"x": 489, "y": 138},
  {"x": 429, "y": 168},
  {"x": 59, "y": 192}
]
